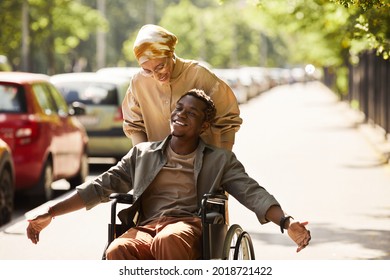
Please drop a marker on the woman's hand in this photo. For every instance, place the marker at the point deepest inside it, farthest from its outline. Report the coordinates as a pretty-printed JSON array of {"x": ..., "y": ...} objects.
[
  {"x": 36, "y": 225},
  {"x": 299, "y": 234}
]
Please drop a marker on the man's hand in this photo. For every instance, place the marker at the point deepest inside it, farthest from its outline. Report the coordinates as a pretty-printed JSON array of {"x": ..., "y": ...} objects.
[
  {"x": 299, "y": 234},
  {"x": 36, "y": 225}
]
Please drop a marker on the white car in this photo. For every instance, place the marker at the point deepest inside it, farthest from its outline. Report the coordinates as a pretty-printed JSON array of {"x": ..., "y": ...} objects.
[
  {"x": 101, "y": 96},
  {"x": 231, "y": 77}
]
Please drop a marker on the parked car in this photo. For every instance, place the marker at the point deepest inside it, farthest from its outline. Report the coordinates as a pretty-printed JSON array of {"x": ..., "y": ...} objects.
[
  {"x": 259, "y": 77},
  {"x": 7, "y": 179},
  {"x": 276, "y": 76},
  {"x": 245, "y": 76},
  {"x": 47, "y": 142},
  {"x": 102, "y": 96},
  {"x": 231, "y": 77}
]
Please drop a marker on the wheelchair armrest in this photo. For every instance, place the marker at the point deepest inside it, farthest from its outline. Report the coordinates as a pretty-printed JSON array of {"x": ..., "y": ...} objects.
[
  {"x": 217, "y": 198},
  {"x": 122, "y": 198},
  {"x": 212, "y": 209}
]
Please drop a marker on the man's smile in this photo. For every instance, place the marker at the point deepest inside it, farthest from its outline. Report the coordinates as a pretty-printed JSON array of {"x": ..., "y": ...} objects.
[{"x": 179, "y": 123}]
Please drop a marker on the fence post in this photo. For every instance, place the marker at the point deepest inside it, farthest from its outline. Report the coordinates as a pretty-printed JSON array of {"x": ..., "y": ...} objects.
[{"x": 386, "y": 90}]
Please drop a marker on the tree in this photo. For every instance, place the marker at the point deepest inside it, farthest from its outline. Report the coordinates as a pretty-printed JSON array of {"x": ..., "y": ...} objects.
[
  {"x": 372, "y": 25},
  {"x": 365, "y": 23},
  {"x": 11, "y": 26},
  {"x": 225, "y": 33},
  {"x": 213, "y": 33},
  {"x": 57, "y": 27}
]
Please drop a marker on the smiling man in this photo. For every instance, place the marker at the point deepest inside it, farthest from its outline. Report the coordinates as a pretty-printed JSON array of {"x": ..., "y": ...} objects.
[{"x": 169, "y": 179}]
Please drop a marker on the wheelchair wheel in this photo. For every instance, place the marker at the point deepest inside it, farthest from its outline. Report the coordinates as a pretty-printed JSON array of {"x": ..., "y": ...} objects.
[{"x": 238, "y": 245}]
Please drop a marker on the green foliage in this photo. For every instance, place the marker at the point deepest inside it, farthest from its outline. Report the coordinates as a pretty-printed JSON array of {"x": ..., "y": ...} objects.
[
  {"x": 372, "y": 33},
  {"x": 185, "y": 21},
  {"x": 11, "y": 35},
  {"x": 225, "y": 33},
  {"x": 364, "y": 4},
  {"x": 204, "y": 34},
  {"x": 310, "y": 30},
  {"x": 371, "y": 25},
  {"x": 218, "y": 36},
  {"x": 56, "y": 27},
  {"x": 341, "y": 86}
]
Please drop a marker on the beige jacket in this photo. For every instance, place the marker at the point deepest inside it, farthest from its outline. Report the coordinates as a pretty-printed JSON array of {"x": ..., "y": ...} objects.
[{"x": 148, "y": 104}]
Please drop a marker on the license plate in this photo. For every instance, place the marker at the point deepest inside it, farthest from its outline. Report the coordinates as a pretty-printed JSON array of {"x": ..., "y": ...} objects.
[{"x": 88, "y": 120}]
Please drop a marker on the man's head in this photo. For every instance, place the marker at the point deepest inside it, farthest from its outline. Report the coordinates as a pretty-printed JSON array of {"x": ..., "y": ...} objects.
[
  {"x": 210, "y": 110},
  {"x": 154, "y": 49},
  {"x": 193, "y": 114}
]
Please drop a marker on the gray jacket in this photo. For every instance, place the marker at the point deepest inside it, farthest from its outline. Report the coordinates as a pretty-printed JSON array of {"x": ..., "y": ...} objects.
[{"x": 216, "y": 171}]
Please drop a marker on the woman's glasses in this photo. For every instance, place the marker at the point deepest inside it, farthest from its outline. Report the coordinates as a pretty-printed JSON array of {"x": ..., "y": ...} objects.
[{"x": 157, "y": 70}]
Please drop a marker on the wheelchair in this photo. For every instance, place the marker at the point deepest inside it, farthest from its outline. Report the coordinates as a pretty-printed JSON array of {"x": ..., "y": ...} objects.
[{"x": 219, "y": 241}]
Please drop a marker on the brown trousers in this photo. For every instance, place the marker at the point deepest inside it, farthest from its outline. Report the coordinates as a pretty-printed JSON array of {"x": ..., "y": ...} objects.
[{"x": 167, "y": 238}]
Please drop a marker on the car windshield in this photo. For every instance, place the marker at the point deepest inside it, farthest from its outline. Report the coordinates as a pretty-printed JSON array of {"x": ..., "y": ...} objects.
[
  {"x": 89, "y": 93},
  {"x": 12, "y": 99}
]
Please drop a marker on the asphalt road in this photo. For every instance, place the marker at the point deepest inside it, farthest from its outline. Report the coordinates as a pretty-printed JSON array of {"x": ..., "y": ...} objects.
[{"x": 307, "y": 149}]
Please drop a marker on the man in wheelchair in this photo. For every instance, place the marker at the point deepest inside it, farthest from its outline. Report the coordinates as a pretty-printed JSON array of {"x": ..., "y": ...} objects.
[{"x": 168, "y": 179}]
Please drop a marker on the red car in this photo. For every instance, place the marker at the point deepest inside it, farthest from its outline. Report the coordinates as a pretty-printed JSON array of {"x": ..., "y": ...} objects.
[
  {"x": 7, "y": 177},
  {"x": 47, "y": 142}
]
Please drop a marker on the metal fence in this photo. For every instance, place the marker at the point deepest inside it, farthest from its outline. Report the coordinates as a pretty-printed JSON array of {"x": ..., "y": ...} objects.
[{"x": 369, "y": 85}]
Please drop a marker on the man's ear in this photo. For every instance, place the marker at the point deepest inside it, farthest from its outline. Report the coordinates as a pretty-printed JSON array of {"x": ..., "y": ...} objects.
[{"x": 205, "y": 126}]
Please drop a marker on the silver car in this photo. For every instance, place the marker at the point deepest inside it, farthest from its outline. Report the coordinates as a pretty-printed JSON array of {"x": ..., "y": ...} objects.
[
  {"x": 101, "y": 96},
  {"x": 231, "y": 77}
]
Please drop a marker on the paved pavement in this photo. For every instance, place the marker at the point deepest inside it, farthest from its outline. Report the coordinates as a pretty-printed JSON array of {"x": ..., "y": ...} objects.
[
  {"x": 323, "y": 165},
  {"x": 308, "y": 149}
]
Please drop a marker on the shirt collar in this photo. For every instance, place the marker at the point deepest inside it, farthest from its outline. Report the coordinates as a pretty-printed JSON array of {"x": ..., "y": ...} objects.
[{"x": 201, "y": 147}]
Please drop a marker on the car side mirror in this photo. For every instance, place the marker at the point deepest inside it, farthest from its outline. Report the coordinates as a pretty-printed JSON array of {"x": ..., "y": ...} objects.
[{"x": 77, "y": 109}]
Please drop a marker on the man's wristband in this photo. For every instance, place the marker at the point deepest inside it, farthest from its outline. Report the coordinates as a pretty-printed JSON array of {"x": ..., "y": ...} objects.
[{"x": 282, "y": 222}]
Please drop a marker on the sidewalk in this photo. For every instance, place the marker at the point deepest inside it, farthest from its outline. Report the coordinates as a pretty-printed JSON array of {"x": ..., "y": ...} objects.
[
  {"x": 312, "y": 152},
  {"x": 306, "y": 148}
]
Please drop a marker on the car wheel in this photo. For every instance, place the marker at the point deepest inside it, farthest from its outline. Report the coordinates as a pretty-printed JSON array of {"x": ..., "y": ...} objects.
[
  {"x": 82, "y": 174},
  {"x": 6, "y": 196},
  {"x": 45, "y": 182}
]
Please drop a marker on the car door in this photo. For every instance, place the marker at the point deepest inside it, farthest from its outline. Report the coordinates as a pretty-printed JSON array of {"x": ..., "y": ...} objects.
[
  {"x": 53, "y": 128},
  {"x": 71, "y": 134}
]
